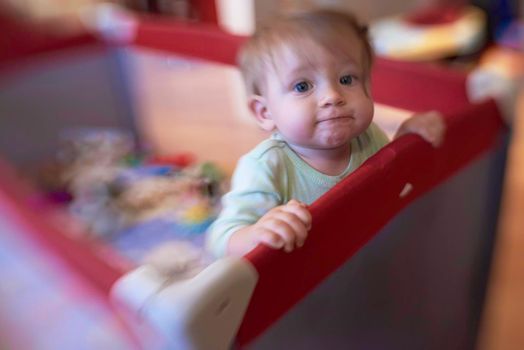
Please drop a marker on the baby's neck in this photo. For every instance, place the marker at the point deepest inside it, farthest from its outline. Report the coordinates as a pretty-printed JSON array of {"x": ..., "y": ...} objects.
[{"x": 328, "y": 161}]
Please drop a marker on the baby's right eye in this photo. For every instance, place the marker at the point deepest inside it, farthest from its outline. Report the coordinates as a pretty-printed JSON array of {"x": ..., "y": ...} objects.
[{"x": 302, "y": 86}]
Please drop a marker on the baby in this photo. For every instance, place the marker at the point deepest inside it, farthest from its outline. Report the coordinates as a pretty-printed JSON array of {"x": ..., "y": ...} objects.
[{"x": 308, "y": 82}]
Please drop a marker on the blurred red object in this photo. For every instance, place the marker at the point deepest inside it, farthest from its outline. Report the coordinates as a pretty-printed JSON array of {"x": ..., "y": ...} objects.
[
  {"x": 180, "y": 160},
  {"x": 21, "y": 39},
  {"x": 435, "y": 15}
]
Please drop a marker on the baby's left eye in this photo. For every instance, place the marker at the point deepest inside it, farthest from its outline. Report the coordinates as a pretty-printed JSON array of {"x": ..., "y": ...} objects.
[
  {"x": 346, "y": 80},
  {"x": 302, "y": 86}
]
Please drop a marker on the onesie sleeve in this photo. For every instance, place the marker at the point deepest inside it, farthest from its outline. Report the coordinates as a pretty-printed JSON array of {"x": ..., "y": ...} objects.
[{"x": 254, "y": 191}]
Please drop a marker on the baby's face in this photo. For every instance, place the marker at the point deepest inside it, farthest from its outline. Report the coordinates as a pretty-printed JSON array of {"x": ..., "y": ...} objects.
[{"x": 318, "y": 99}]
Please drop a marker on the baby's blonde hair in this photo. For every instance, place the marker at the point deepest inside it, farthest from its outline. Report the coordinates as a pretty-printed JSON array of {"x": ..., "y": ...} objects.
[{"x": 326, "y": 28}]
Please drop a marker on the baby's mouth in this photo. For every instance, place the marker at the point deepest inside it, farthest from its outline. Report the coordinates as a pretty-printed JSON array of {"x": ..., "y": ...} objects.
[{"x": 334, "y": 119}]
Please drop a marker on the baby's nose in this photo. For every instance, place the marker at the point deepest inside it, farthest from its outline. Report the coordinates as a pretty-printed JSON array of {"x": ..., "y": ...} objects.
[{"x": 331, "y": 96}]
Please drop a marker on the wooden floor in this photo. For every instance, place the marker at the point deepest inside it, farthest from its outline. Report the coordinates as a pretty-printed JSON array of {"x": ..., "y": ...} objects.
[{"x": 503, "y": 322}]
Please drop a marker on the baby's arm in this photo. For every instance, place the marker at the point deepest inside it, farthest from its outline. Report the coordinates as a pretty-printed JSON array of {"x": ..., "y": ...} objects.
[
  {"x": 429, "y": 125},
  {"x": 285, "y": 226},
  {"x": 256, "y": 210}
]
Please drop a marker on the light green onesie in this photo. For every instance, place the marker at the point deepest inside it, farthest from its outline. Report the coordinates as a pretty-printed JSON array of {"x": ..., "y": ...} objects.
[{"x": 272, "y": 174}]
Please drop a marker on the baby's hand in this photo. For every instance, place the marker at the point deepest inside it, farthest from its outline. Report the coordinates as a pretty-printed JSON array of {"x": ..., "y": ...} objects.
[
  {"x": 285, "y": 226},
  {"x": 429, "y": 125}
]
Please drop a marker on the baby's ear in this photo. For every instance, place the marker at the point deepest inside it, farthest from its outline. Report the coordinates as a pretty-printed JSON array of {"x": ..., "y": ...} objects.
[{"x": 257, "y": 105}]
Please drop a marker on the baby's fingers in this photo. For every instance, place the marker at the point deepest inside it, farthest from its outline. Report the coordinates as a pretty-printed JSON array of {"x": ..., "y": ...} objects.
[
  {"x": 290, "y": 230},
  {"x": 433, "y": 136},
  {"x": 271, "y": 239},
  {"x": 431, "y": 127},
  {"x": 300, "y": 210},
  {"x": 293, "y": 226},
  {"x": 283, "y": 225}
]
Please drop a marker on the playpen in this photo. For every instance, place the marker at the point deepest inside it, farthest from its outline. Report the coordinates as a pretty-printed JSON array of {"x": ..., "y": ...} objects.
[{"x": 407, "y": 273}]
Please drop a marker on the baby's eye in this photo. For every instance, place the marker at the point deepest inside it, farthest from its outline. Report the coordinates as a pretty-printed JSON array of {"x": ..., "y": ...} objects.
[
  {"x": 346, "y": 80},
  {"x": 302, "y": 86}
]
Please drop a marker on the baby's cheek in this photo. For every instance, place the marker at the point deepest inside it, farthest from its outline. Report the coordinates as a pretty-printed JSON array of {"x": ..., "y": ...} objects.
[
  {"x": 302, "y": 123},
  {"x": 297, "y": 130},
  {"x": 366, "y": 108},
  {"x": 303, "y": 132}
]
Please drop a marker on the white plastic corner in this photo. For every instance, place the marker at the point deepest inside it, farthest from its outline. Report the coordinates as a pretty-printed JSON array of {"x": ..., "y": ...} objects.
[{"x": 200, "y": 313}]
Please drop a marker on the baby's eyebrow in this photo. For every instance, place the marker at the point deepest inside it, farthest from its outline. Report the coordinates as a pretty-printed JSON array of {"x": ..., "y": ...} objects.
[
  {"x": 300, "y": 70},
  {"x": 350, "y": 63}
]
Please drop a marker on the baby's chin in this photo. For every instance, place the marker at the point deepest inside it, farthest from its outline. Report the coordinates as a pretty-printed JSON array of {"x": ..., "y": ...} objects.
[
  {"x": 335, "y": 139},
  {"x": 324, "y": 140}
]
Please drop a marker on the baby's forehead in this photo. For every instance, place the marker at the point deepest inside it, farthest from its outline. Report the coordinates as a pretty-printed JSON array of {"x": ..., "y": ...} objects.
[{"x": 306, "y": 52}]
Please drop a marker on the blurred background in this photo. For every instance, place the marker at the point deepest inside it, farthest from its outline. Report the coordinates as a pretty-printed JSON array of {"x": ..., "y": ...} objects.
[{"x": 492, "y": 35}]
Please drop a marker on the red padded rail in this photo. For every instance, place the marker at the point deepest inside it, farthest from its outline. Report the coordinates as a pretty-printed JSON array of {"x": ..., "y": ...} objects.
[
  {"x": 81, "y": 254},
  {"x": 419, "y": 86},
  {"x": 412, "y": 86},
  {"x": 20, "y": 40},
  {"x": 201, "y": 41}
]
